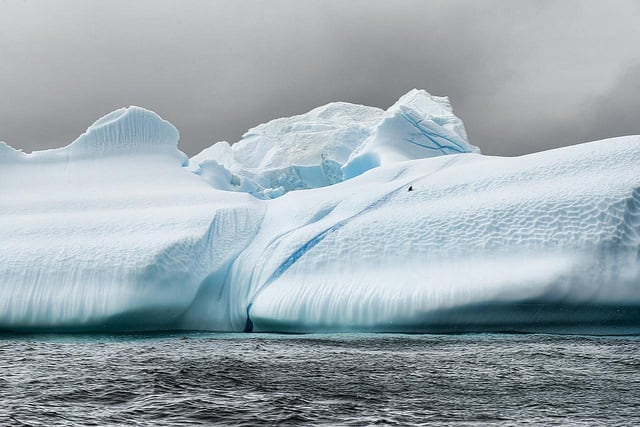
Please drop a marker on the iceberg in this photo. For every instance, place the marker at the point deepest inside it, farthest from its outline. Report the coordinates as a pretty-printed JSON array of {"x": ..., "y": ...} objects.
[{"x": 345, "y": 218}]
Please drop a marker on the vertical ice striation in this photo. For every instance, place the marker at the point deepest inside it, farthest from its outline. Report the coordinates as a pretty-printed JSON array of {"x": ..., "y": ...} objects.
[{"x": 127, "y": 130}]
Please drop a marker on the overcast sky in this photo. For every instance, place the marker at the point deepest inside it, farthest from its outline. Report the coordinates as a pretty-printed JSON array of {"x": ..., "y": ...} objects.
[{"x": 523, "y": 75}]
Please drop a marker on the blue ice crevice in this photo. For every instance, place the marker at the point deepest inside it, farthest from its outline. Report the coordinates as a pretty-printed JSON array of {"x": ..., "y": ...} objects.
[{"x": 315, "y": 240}]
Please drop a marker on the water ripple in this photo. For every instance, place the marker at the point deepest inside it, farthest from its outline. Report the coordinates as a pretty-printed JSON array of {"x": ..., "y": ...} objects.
[{"x": 318, "y": 380}]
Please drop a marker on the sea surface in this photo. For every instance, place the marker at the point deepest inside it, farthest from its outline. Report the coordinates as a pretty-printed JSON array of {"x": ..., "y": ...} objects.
[{"x": 358, "y": 379}]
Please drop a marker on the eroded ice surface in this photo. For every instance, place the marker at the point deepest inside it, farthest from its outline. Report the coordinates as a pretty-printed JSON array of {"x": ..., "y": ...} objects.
[{"x": 113, "y": 232}]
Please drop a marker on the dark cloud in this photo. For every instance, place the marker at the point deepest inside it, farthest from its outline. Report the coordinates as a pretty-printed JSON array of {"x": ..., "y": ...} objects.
[
  {"x": 617, "y": 111},
  {"x": 524, "y": 75}
]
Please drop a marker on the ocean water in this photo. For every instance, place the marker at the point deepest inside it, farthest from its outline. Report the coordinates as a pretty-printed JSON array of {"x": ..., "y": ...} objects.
[{"x": 359, "y": 379}]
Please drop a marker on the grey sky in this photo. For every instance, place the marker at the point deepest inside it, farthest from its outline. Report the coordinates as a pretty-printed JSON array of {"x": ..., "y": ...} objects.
[{"x": 523, "y": 75}]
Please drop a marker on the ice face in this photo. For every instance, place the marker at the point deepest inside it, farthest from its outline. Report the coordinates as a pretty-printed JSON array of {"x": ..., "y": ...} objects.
[
  {"x": 118, "y": 237},
  {"x": 131, "y": 130},
  {"x": 113, "y": 233}
]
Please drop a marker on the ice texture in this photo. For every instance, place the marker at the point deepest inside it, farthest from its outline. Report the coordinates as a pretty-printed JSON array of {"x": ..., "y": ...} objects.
[{"x": 308, "y": 225}]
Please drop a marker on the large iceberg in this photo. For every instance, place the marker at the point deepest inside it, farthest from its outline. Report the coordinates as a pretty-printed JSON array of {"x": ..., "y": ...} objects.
[{"x": 346, "y": 218}]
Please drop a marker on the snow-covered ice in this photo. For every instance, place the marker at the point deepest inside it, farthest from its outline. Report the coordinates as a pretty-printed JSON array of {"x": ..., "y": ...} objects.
[{"x": 307, "y": 225}]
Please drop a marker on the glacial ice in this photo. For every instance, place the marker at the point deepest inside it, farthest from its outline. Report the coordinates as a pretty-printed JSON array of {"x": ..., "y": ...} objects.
[{"x": 307, "y": 225}]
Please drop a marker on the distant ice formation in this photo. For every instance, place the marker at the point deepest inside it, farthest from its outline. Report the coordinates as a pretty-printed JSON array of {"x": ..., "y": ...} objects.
[{"x": 307, "y": 225}]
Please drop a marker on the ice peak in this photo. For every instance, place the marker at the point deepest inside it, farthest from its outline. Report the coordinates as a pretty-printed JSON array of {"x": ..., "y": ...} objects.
[
  {"x": 418, "y": 125},
  {"x": 126, "y": 130},
  {"x": 130, "y": 130},
  {"x": 424, "y": 106},
  {"x": 421, "y": 99}
]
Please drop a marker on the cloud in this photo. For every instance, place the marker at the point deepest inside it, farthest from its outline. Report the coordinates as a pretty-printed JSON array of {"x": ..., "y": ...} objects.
[
  {"x": 617, "y": 111},
  {"x": 522, "y": 75}
]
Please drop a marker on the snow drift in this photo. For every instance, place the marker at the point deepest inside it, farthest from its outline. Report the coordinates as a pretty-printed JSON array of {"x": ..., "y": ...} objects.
[{"x": 307, "y": 225}]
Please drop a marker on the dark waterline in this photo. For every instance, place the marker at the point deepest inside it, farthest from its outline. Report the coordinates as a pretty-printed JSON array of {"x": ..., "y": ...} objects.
[{"x": 349, "y": 379}]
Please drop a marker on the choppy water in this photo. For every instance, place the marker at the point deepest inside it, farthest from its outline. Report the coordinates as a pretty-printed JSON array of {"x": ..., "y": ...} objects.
[{"x": 334, "y": 380}]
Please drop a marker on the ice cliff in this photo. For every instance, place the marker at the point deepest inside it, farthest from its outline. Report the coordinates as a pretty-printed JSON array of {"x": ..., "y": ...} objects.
[{"x": 307, "y": 225}]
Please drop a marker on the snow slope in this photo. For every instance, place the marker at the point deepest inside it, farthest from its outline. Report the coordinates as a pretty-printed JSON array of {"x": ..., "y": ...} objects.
[{"x": 114, "y": 233}]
